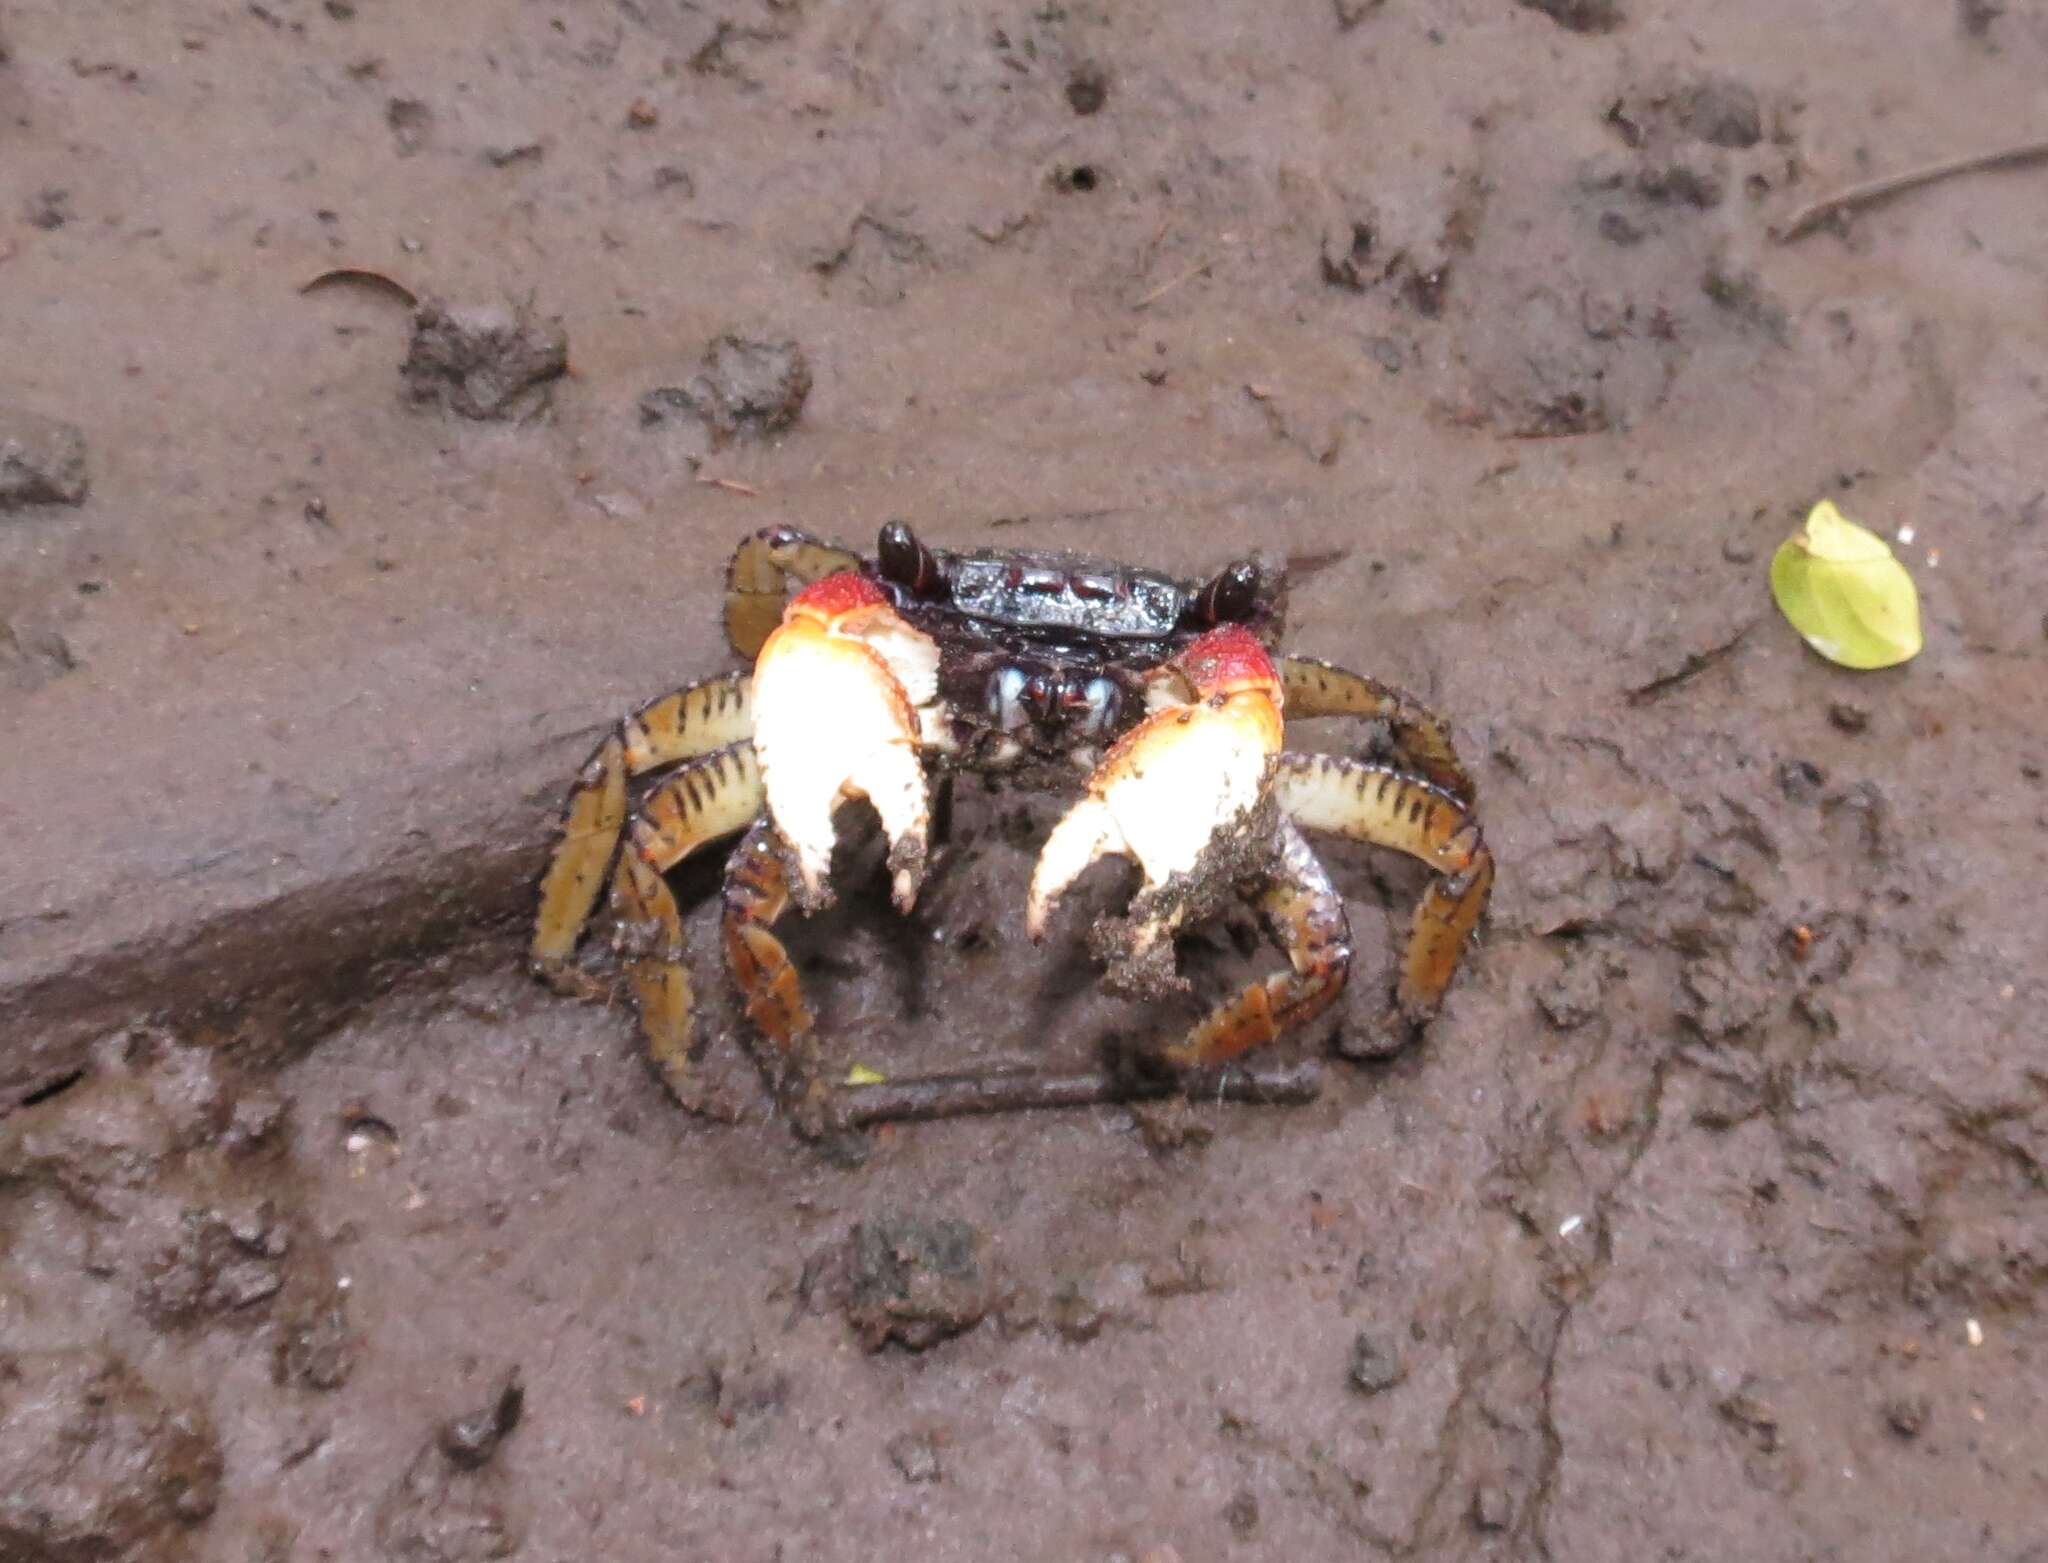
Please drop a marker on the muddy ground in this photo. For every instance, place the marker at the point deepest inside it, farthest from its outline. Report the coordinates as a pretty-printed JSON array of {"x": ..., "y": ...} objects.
[{"x": 1706, "y": 1223}]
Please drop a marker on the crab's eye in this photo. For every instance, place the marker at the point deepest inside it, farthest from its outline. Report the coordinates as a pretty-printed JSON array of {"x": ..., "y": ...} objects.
[
  {"x": 906, "y": 561},
  {"x": 1006, "y": 700},
  {"x": 1043, "y": 694},
  {"x": 1101, "y": 709},
  {"x": 1230, "y": 598}
]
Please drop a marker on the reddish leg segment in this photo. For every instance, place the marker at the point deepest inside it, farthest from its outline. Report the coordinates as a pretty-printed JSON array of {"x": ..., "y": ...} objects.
[
  {"x": 757, "y": 893},
  {"x": 1305, "y": 915}
]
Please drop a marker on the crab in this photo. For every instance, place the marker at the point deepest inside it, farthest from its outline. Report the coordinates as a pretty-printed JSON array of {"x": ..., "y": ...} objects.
[{"x": 1159, "y": 701}]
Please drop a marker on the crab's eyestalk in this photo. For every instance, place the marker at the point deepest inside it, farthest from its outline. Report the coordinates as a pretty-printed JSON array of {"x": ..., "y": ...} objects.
[
  {"x": 1231, "y": 598},
  {"x": 1189, "y": 773},
  {"x": 837, "y": 695},
  {"x": 908, "y": 562}
]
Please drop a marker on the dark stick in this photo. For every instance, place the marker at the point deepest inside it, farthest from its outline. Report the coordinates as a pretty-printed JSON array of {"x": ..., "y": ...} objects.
[{"x": 957, "y": 1096}]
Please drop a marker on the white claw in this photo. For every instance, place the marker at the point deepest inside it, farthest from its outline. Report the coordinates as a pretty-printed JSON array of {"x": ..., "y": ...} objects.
[
  {"x": 1086, "y": 832},
  {"x": 1172, "y": 784},
  {"x": 835, "y": 717}
]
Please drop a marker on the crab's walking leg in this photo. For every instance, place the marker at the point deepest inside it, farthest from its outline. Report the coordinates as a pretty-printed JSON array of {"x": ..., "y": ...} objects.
[
  {"x": 757, "y": 892},
  {"x": 711, "y": 797},
  {"x": 763, "y": 569},
  {"x": 1305, "y": 915},
  {"x": 1422, "y": 742},
  {"x": 1389, "y": 808},
  {"x": 696, "y": 719},
  {"x": 692, "y": 721}
]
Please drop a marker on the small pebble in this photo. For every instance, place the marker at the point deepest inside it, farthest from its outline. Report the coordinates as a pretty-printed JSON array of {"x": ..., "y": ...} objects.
[
  {"x": 1800, "y": 780},
  {"x": 469, "y": 1441},
  {"x": 1848, "y": 718},
  {"x": 916, "y": 1457},
  {"x": 1375, "y": 1366}
]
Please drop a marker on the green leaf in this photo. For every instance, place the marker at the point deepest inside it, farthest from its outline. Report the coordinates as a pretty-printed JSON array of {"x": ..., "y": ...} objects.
[
  {"x": 1844, "y": 592},
  {"x": 860, "y": 1074}
]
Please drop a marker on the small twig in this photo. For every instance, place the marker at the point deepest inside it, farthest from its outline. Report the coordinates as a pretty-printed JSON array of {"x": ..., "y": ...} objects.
[
  {"x": 956, "y": 1096},
  {"x": 1165, "y": 288},
  {"x": 1871, "y": 191},
  {"x": 363, "y": 277},
  {"x": 1695, "y": 663},
  {"x": 730, "y": 485},
  {"x": 1151, "y": 251},
  {"x": 1004, "y": 230}
]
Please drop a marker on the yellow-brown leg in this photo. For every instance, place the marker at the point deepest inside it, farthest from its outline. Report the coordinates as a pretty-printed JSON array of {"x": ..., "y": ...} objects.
[
  {"x": 1305, "y": 915},
  {"x": 591, "y": 821},
  {"x": 694, "y": 720},
  {"x": 763, "y": 569},
  {"x": 1422, "y": 742},
  {"x": 756, "y": 894},
  {"x": 651, "y": 942},
  {"x": 1389, "y": 808},
  {"x": 713, "y": 796}
]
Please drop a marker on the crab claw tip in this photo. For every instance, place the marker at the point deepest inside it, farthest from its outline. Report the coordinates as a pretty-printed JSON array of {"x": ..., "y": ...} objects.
[
  {"x": 903, "y": 890},
  {"x": 1086, "y": 832}
]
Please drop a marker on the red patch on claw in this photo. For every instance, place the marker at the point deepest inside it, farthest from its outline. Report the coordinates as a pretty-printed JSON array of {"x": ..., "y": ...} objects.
[
  {"x": 1227, "y": 660},
  {"x": 836, "y": 596}
]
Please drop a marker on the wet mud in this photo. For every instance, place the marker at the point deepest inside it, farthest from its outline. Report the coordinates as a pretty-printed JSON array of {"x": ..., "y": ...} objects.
[{"x": 1707, "y": 1219}]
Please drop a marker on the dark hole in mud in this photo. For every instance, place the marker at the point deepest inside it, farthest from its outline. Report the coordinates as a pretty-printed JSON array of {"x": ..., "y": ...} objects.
[
  {"x": 1087, "y": 89},
  {"x": 55, "y": 1089},
  {"x": 1080, "y": 179},
  {"x": 1424, "y": 291}
]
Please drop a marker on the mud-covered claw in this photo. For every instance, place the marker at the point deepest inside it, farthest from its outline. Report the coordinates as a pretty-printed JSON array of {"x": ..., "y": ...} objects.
[
  {"x": 1185, "y": 776},
  {"x": 837, "y": 692}
]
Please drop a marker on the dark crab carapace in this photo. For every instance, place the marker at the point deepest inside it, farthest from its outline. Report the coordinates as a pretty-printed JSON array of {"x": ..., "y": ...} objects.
[
  {"x": 1162, "y": 698},
  {"x": 1045, "y": 656}
]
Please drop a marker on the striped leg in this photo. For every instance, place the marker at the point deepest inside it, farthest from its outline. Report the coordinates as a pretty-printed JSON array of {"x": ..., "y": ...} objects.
[
  {"x": 692, "y": 721},
  {"x": 1389, "y": 808},
  {"x": 763, "y": 569},
  {"x": 713, "y": 796},
  {"x": 1306, "y": 918},
  {"x": 1422, "y": 743},
  {"x": 757, "y": 892}
]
